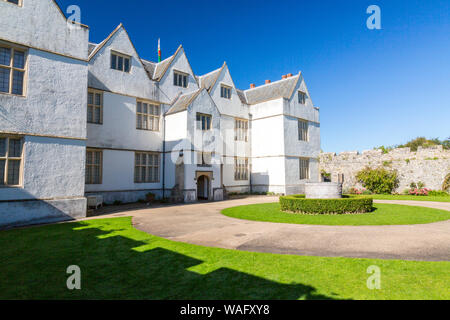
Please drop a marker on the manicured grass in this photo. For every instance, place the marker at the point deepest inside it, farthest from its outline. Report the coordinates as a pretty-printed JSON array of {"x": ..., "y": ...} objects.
[
  {"x": 120, "y": 262},
  {"x": 408, "y": 197},
  {"x": 384, "y": 214}
]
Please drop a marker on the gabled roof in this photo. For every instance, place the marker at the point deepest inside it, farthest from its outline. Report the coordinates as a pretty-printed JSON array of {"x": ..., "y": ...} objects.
[
  {"x": 208, "y": 80},
  {"x": 102, "y": 44},
  {"x": 241, "y": 95},
  {"x": 279, "y": 89},
  {"x": 183, "y": 102},
  {"x": 150, "y": 67},
  {"x": 163, "y": 66}
]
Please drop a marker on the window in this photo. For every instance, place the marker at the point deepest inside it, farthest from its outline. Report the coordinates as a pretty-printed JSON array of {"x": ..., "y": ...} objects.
[
  {"x": 95, "y": 106},
  {"x": 18, "y": 2},
  {"x": 146, "y": 167},
  {"x": 94, "y": 164},
  {"x": 10, "y": 161},
  {"x": 203, "y": 121},
  {"x": 304, "y": 168},
  {"x": 12, "y": 70},
  {"x": 120, "y": 62},
  {"x": 240, "y": 168},
  {"x": 204, "y": 158},
  {"x": 240, "y": 130},
  {"x": 302, "y": 130},
  {"x": 301, "y": 97},
  {"x": 225, "y": 92},
  {"x": 180, "y": 79},
  {"x": 147, "y": 116}
]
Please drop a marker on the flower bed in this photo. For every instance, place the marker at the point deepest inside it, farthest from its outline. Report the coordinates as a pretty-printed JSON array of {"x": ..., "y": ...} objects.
[{"x": 299, "y": 204}]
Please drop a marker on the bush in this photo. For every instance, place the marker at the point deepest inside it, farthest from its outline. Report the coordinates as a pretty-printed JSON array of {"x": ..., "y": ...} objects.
[
  {"x": 438, "y": 193},
  {"x": 379, "y": 181},
  {"x": 299, "y": 204},
  {"x": 446, "y": 183}
]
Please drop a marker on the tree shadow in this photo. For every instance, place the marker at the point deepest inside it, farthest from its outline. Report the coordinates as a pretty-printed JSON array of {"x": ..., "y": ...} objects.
[{"x": 117, "y": 267}]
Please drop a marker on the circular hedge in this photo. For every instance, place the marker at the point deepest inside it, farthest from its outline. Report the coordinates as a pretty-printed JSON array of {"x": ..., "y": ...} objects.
[{"x": 299, "y": 204}]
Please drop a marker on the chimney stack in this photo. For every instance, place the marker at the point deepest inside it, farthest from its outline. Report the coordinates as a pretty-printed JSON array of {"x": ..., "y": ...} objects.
[
  {"x": 267, "y": 81},
  {"x": 252, "y": 86},
  {"x": 289, "y": 75},
  {"x": 283, "y": 76}
]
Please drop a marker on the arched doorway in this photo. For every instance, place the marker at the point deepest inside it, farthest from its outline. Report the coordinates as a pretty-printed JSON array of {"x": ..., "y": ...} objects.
[{"x": 203, "y": 188}]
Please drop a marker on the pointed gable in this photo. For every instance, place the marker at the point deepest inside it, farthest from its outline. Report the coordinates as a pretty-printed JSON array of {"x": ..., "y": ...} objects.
[
  {"x": 284, "y": 88},
  {"x": 136, "y": 82}
]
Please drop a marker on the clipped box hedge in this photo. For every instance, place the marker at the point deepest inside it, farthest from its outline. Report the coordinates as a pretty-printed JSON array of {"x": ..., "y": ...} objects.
[{"x": 299, "y": 204}]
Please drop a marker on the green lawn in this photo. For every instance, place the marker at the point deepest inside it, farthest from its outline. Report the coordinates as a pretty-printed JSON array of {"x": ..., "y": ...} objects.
[
  {"x": 120, "y": 262},
  {"x": 384, "y": 214},
  {"x": 408, "y": 197}
]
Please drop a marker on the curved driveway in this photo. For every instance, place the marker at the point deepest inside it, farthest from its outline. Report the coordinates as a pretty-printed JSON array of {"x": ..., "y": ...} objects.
[{"x": 203, "y": 224}]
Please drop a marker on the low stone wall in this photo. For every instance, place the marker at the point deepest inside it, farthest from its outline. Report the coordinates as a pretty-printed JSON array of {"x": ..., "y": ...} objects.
[{"x": 429, "y": 165}]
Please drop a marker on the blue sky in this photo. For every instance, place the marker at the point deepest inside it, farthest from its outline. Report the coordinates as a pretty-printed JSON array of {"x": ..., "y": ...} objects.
[{"x": 373, "y": 87}]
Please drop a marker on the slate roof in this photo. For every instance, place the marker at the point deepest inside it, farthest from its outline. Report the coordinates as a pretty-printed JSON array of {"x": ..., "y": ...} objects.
[
  {"x": 208, "y": 80},
  {"x": 241, "y": 95},
  {"x": 150, "y": 67},
  {"x": 279, "y": 89},
  {"x": 183, "y": 102}
]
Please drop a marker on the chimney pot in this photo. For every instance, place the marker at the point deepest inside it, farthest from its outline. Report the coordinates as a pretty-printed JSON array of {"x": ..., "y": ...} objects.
[
  {"x": 267, "y": 81},
  {"x": 283, "y": 76},
  {"x": 252, "y": 86},
  {"x": 289, "y": 75}
]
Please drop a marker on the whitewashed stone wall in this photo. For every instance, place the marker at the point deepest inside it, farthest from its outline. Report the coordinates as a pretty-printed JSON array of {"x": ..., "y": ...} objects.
[{"x": 428, "y": 165}]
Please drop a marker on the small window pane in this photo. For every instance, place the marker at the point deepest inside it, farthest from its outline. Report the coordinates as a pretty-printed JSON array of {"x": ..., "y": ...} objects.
[
  {"x": 90, "y": 114},
  {"x": 19, "y": 59},
  {"x": 139, "y": 107},
  {"x": 127, "y": 65},
  {"x": 185, "y": 81},
  {"x": 2, "y": 147},
  {"x": 13, "y": 1},
  {"x": 5, "y": 56},
  {"x": 15, "y": 148},
  {"x": 90, "y": 98},
  {"x": 97, "y": 115},
  {"x": 2, "y": 172},
  {"x": 120, "y": 63},
  {"x": 4, "y": 80},
  {"x": 17, "y": 87},
  {"x": 113, "y": 61},
  {"x": 13, "y": 172},
  {"x": 98, "y": 99}
]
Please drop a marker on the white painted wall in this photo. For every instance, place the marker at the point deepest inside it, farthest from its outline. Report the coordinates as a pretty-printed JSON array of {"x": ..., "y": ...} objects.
[{"x": 40, "y": 24}]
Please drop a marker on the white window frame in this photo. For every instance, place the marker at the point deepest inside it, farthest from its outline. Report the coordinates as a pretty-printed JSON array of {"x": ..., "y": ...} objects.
[
  {"x": 150, "y": 166},
  {"x": 95, "y": 106},
  {"x": 11, "y": 68},
  {"x": 115, "y": 56},
  {"x": 241, "y": 169},
  {"x": 303, "y": 130},
  {"x": 304, "y": 169},
  {"x": 7, "y": 158},
  {"x": 240, "y": 129},
  {"x": 150, "y": 119},
  {"x": 301, "y": 97},
  {"x": 91, "y": 166},
  {"x": 225, "y": 91},
  {"x": 180, "y": 79}
]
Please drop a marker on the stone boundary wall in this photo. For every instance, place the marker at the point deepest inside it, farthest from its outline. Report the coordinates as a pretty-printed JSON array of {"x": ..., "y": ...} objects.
[{"x": 429, "y": 165}]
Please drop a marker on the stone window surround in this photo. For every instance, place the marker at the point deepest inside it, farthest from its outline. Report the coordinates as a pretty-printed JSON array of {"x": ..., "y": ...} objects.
[
  {"x": 153, "y": 117},
  {"x": 154, "y": 165},
  {"x": 7, "y": 158},
  {"x": 304, "y": 168},
  {"x": 180, "y": 79},
  {"x": 91, "y": 166},
  {"x": 301, "y": 97},
  {"x": 241, "y": 168},
  {"x": 225, "y": 91},
  {"x": 303, "y": 130},
  {"x": 95, "y": 106},
  {"x": 11, "y": 67},
  {"x": 116, "y": 55},
  {"x": 240, "y": 129},
  {"x": 19, "y": 2}
]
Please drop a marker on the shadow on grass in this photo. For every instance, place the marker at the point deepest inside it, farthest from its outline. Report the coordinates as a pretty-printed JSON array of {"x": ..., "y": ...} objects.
[{"x": 114, "y": 266}]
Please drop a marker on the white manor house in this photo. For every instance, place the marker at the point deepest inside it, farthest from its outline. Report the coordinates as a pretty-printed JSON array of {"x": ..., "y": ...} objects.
[{"x": 80, "y": 118}]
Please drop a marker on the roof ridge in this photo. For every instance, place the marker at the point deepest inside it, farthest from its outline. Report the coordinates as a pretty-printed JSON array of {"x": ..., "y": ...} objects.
[{"x": 271, "y": 83}]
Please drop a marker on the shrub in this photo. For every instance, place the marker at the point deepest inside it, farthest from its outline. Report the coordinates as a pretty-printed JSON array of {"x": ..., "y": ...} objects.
[
  {"x": 299, "y": 204},
  {"x": 438, "y": 193},
  {"x": 379, "y": 181},
  {"x": 419, "y": 192},
  {"x": 446, "y": 183},
  {"x": 150, "y": 197}
]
